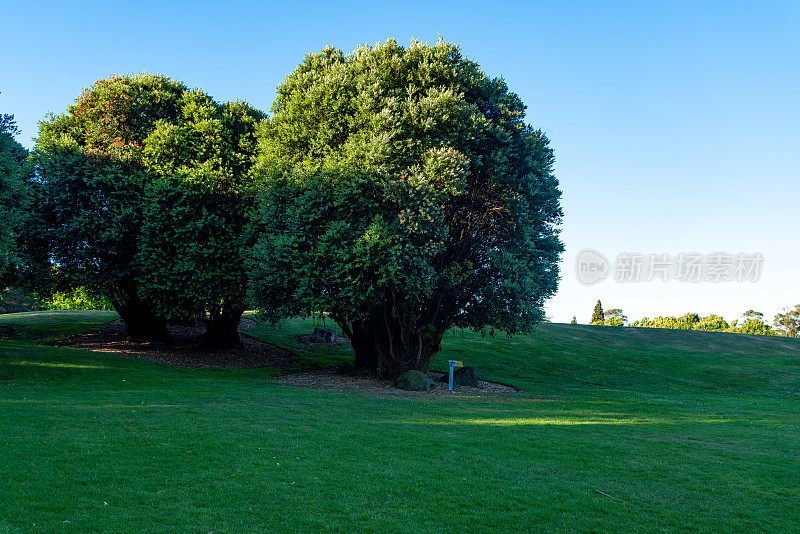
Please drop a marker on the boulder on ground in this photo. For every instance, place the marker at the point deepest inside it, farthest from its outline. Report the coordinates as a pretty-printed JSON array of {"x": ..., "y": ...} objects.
[
  {"x": 463, "y": 376},
  {"x": 323, "y": 335},
  {"x": 413, "y": 381}
]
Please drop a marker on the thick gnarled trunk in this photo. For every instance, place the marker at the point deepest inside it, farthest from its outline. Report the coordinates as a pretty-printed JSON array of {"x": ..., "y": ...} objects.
[
  {"x": 142, "y": 323},
  {"x": 386, "y": 347},
  {"x": 222, "y": 328}
]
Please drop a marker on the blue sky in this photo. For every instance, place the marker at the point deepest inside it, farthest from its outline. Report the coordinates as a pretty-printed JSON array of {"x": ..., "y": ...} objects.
[{"x": 675, "y": 124}]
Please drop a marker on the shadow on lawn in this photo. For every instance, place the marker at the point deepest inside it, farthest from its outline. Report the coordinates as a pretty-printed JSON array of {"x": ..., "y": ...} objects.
[{"x": 25, "y": 361}]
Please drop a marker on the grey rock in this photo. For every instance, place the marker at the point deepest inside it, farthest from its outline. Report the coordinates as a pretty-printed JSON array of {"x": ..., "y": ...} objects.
[
  {"x": 413, "y": 381},
  {"x": 463, "y": 376},
  {"x": 323, "y": 335}
]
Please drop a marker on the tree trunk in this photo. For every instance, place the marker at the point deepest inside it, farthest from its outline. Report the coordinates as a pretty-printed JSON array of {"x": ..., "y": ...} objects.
[
  {"x": 222, "y": 328},
  {"x": 386, "y": 348},
  {"x": 141, "y": 322}
]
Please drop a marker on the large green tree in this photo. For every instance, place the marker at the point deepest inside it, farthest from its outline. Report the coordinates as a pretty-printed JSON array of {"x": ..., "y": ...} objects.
[
  {"x": 404, "y": 194},
  {"x": 93, "y": 187},
  {"x": 753, "y": 324},
  {"x": 193, "y": 242},
  {"x": 120, "y": 177},
  {"x": 91, "y": 209},
  {"x": 12, "y": 198},
  {"x": 788, "y": 322},
  {"x": 598, "y": 316},
  {"x": 615, "y": 317}
]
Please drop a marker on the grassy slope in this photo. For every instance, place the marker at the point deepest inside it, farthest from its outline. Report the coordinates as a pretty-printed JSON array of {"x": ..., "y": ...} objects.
[
  {"x": 684, "y": 429},
  {"x": 48, "y": 326}
]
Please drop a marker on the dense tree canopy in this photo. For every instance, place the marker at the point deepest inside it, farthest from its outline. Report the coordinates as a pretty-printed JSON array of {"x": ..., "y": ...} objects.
[
  {"x": 615, "y": 317},
  {"x": 788, "y": 322},
  {"x": 92, "y": 212},
  {"x": 93, "y": 187},
  {"x": 404, "y": 194},
  {"x": 193, "y": 242},
  {"x": 753, "y": 323},
  {"x": 598, "y": 316},
  {"x": 12, "y": 197},
  {"x": 120, "y": 175}
]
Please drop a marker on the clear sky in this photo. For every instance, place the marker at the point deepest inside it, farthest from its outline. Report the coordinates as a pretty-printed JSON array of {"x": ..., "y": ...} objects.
[{"x": 675, "y": 124}]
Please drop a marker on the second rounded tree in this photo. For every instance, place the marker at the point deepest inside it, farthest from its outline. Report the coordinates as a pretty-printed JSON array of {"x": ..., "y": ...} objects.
[{"x": 404, "y": 194}]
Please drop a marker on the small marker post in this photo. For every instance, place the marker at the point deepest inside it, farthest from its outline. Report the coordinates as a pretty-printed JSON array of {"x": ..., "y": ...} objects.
[{"x": 453, "y": 364}]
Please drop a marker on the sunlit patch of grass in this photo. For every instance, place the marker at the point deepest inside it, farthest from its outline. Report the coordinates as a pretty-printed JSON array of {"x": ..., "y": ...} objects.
[
  {"x": 59, "y": 364},
  {"x": 561, "y": 421}
]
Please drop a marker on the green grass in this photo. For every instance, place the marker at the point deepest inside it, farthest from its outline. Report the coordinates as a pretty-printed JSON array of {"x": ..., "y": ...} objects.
[
  {"x": 309, "y": 356},
  {"x": 684, "y": 430},
  {"x": 49, "y": 326}
]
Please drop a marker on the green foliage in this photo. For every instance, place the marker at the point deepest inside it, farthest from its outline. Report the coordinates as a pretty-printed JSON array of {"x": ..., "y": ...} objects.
[
  {"x": 690, "y": 321},
  {"x": 754, "y": 315},
  {"x": 115, "y": 116},
  {"x": 192, "y": 255},
  {"x": 12, "y": 195},
  {"x": 91, "y": 207},
  {"x": 79, "y": 298},
  {"x": 754, "y": 327},
  {"x": 91, "y": 190},
  {"x": 8, "y": 125},
  {"x": 612, "y": 317},
  {"x": 193, "y": 243},
  {"x": 404, "y": 194},
  {"x": 113, "y": 171},
  {"x": 615, "y": 317},
  {"x": 753, "y": 323},
  {"x": 598, "y": 317},
  {"x": 788, "y": 323},
  {"x": 574, "y": 320},
  {"x": 16, "y": 299},
  {"x": 212, "y": 145},
  {"x": 712, "y": 323}
]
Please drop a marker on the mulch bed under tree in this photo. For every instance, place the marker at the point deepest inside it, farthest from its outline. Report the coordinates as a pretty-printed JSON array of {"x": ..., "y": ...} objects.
[
  {"x": 331, "y": 379},
  {"x": 184, "y": 348}
]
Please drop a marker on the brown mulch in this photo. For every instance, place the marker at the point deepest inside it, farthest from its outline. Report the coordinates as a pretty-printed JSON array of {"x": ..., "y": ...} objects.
[
  {"x": 330, "y": 379},
  {"x": 184, "y": 348}
]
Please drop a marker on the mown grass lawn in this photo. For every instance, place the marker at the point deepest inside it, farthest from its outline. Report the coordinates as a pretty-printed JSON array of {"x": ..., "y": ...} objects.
[
  {"x": 50, "y": 326},
  {"x": 678, "y": 430}
]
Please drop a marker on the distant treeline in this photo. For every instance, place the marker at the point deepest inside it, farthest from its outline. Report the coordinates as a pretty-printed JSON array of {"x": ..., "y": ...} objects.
[{"x": 752, "y": 322}]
